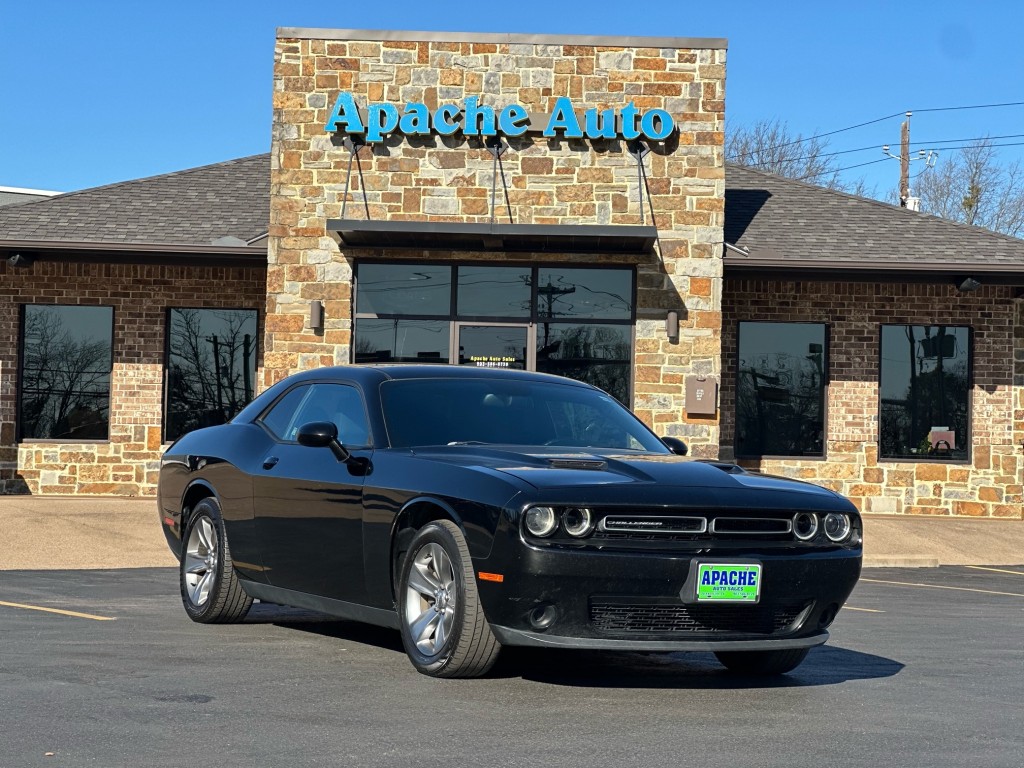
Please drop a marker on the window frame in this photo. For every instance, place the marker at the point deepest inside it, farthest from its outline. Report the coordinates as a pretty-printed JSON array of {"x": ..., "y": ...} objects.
[
  {"x": 311, "y": 385},
  {"x": 165, "y": 399},
  {"x": 826, "y": 378},
  {"x": 19, "y": 431},
  {"x": 930, "y": 458}
]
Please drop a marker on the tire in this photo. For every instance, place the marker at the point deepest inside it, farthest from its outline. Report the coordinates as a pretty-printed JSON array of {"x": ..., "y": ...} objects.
[
  {"x": 210, "y": 590},
  {"x": 444, "y": 630},
  {"x": 762, "y": 662}
]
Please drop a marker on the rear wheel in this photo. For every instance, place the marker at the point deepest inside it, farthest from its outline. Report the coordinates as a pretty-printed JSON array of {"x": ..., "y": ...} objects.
[
  {"x": 444, "y": 630},
  {"x": 762, "y": 662},
  {"x": 210, "y": 590}
]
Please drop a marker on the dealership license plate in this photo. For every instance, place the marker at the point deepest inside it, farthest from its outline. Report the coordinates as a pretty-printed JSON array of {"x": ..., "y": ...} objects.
[{"x": 728, "y": 583}]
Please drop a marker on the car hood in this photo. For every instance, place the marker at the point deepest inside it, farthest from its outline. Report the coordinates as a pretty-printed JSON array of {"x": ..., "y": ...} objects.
[{"x": 616, "y": 470}]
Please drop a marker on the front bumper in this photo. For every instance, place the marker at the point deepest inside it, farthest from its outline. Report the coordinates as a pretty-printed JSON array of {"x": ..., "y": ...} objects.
[{"x": 645, "y": 601}]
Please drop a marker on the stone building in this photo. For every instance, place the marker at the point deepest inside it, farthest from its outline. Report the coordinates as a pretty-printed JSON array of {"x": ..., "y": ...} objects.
[{"x": 557, "y": 204}]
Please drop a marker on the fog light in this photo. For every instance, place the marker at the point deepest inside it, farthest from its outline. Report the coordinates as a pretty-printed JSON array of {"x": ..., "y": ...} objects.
[
  {"x": 837, "y": 526},
  {"x": 805, "y": 525},
  {"x": 541, "y": 521},
  {"x": 577, "y": 522},
  {"x": 542, "y": 616}
]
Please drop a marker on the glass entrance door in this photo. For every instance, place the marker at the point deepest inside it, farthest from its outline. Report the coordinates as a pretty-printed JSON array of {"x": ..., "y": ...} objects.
[{"x": 494, "y": 345}]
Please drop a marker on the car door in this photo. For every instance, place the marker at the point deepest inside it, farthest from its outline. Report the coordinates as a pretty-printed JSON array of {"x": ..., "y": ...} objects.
[{"x": 308, "y": 504}]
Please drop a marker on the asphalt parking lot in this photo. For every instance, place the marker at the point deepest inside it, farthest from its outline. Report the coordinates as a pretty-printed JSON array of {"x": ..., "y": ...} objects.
[{"x": 925, "y": 668}]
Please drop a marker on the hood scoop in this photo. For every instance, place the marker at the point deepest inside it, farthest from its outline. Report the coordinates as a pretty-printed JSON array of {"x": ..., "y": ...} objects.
[{"x": 577, "y": 463}]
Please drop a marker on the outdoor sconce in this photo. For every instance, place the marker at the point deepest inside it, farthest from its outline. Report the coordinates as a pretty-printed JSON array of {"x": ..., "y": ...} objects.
[
  {"x": 21, "y": 260},
  {"x": 672, "y": 324},
  {"x": 968, "y": 284},
  {"x": 316, "y": 315}
]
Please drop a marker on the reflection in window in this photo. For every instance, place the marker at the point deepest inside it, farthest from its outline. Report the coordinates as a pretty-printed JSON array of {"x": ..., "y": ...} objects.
[
  {"x": 605, "y": 294},
  {"x": 925, "y": 387},
  {"x": 401, "y": 341},
  {"x": 494, "y": 292},
  {"x": 403, "y": 289},
  {"x": 211, "y": 367},
  {"x": 781, "y": 389},
  {"x": 596, "y": 354},
  {"x": 65, "y": 380}
]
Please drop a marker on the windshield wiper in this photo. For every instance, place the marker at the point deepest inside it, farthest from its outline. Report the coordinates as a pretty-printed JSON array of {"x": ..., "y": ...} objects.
[{"x": 467, "y": 442}]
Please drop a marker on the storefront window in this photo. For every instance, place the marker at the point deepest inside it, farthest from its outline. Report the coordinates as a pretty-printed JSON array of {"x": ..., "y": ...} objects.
[
  {"x": 65, "y": 376},
  {"x": 404, "y": 289},
  {"x": 211, "y": 367},
  {"x": 572, "y": 321},
  {"x": 584, "y": 293},
  {"x": 780, "y": 399},
  {"x": 494, "y": 292},
  {"x": 925, "y": 392},
  {"x": 401, "y": 341},
  {"x": 596, "y": 354}
]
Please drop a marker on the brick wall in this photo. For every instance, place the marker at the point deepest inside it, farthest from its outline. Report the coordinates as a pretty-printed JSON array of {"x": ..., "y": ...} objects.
[
  {"x": 551, "y": 182},
  {"x": 140, "y": 296},
  {"x": 989, "y": 486}
]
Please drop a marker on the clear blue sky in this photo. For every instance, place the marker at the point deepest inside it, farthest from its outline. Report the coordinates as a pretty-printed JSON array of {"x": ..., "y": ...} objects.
[{"x": 97, "y": 92}]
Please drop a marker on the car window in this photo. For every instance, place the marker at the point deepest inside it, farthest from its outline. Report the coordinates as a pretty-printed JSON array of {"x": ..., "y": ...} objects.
[
  {"x": 339, "y": 404},
  {"x": 279, "y": 419}
]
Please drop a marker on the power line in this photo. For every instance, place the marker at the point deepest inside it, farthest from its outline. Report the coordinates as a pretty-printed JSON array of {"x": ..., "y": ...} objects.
[
  {"x": 839, "y": 170},
  {"x": 872, "y": 122}
]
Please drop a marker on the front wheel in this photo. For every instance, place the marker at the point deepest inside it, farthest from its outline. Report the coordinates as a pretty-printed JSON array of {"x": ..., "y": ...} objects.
[
  {"x": 210, "y": 590},
  {"x": 762, "y": 662},
  {"x": 444, "y": 630}
]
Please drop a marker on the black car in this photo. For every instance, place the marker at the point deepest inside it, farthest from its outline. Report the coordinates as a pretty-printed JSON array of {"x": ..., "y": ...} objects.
[{"x": 472, "y": 508}]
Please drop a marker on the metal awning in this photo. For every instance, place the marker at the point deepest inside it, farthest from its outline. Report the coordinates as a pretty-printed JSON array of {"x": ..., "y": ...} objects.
[{"x": 536, "y": 238}]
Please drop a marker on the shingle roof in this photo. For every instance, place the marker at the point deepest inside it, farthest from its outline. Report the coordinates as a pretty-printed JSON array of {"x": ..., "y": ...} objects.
[
  {"x": 801, "y": 223},
  {"x": 196, "y": 207}
]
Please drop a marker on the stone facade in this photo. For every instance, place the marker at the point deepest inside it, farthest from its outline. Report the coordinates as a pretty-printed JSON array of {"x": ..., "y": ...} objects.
[
  {"x": 551, "y": 181},
  {"x": 989, "y": 485},
  {"x": 140, "y": 295}
]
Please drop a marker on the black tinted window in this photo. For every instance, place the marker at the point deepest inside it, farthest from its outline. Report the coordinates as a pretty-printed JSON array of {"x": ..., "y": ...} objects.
[
  {"x": 211, "y": 367},
  {"x": 596, "y": 354},
  {"x": 925, "y": 392},
  {"x": 65, "y": 378},
  {"x": 585, "y": 293},
  {"x": 780, "y": 400},
  {"x": 494, "y": 292},
  {"x": 403, "y": 289},
  {"x": 339, "y": 404},
  {"x": 401, "y": 341}
]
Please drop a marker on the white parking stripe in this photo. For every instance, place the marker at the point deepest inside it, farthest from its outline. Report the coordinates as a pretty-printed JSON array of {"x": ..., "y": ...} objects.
[
  {"x": 74, "y": 614},
  {"x": 994, "y": 570},
  {"x": 942, "y": 586}
]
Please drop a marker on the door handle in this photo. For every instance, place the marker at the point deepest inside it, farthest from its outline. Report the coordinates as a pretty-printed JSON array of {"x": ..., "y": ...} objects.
[{"x": 270, "y": 462}]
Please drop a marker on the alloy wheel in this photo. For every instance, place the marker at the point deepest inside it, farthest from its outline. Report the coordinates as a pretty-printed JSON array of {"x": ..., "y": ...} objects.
[
  {"x": 431, "y": 599},
  {"x": 200, "y": 567}
]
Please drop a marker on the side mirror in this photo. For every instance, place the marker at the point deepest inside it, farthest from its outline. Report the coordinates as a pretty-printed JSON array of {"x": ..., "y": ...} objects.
[
  {"x": 676, "y": 445},
  {"x": 322, "y": 434}
]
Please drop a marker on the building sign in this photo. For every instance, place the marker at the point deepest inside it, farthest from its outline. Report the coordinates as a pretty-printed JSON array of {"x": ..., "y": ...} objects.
[{"x": 476, "y": 119}]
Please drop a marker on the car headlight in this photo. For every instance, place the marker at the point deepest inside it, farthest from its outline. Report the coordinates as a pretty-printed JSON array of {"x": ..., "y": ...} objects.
[
  {"x": 837, "y": 526},
  {"x": 541, "y": 521},
  {"x": 805, "y": 525},
  {"x": 577, "y": 521}
]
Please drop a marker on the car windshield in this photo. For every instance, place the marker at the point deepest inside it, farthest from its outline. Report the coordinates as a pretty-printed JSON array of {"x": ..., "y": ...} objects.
[{"x": 508, "y": 412}]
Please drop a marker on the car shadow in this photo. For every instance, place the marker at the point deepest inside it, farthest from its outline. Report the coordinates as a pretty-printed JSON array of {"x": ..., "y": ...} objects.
[{"x": 825, "y": 665}]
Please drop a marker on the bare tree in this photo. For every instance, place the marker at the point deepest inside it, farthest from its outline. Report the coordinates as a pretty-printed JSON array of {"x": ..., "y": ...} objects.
[
  {"x": 972, "y": 187},
  {"x": 769, "y": 145}
]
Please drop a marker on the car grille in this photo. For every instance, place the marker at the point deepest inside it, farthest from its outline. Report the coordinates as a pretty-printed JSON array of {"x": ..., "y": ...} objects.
[
  {"x": 615, "y": 617},
  {"x": 640, "y": 525}
]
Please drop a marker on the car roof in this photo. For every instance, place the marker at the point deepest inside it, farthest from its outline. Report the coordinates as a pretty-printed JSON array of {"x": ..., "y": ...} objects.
[{"x": 368, "y": 374}]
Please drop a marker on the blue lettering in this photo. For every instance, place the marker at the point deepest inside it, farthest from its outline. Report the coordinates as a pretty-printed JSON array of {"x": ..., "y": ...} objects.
[
  {"x": 479, "y": 118},
  {"x": 445, "y": 119},
  {"x": 742, "y": 580},
  {"x": 752, "y": 579},
  {"x": 629, "y": 129},
  {"x": 416, "y": 120},
  {"x": 346, "y": 113},
  {"x": 514, "y": 120},
  {"x": 656, "y": 124},
  {"x": 381, "y": 119},
  {"x": 600, "y": 125},
  {"x": 705, "y": 579},
  {"x": 564, "y": 119}
]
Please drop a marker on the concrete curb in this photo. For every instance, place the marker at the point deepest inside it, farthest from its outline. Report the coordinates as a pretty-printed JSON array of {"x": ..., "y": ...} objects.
[{"x": 901, "y": 561}]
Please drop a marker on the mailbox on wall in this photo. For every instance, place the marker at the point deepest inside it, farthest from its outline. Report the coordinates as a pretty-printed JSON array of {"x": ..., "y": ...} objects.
[{"x": 701, "y": 396}]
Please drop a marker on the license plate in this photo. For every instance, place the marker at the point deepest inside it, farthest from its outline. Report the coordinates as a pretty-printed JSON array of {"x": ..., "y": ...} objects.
[{"x": 728, "y": 582}]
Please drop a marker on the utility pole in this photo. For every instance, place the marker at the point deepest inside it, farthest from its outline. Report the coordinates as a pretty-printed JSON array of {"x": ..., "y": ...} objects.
[{"x": 929, "y": 157}]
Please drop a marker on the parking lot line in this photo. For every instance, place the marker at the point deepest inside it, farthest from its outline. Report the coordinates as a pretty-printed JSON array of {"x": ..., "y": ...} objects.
[
  {"x": 943, "y": 586},
  {"x": 865, "y": 610},
  {"x": 62, "y": 612},
  {"x": 994, "y": 570}
]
